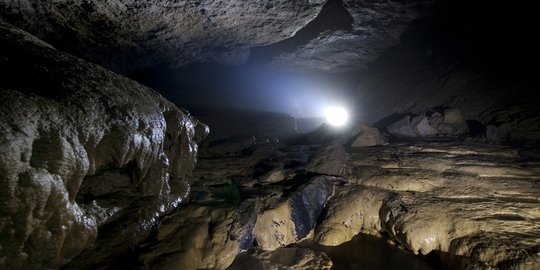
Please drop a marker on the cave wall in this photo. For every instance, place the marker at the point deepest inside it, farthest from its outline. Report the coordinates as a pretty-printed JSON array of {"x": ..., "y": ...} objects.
[
  {"x": 78, "y": 145},
  {"x": 475, "y": 57}
]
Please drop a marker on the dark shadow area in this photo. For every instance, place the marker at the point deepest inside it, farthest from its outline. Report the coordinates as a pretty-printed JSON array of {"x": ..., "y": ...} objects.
[
  {"x": 370, "y": 252},
  {"x": 332, "y": 17}
]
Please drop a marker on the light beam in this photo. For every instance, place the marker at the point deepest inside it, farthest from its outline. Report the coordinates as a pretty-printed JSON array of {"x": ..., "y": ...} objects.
[{"x": 336, "y": 116}]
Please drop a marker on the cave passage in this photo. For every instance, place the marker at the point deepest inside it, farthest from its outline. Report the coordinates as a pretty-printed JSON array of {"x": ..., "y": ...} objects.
[{"x": 275, "y": 134}]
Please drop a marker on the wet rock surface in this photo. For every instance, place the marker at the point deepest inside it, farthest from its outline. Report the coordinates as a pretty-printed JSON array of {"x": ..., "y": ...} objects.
[
  {"x": 475, "y": 205},
  {"x": 283, "y": 258},
  {"x": 96, "y": 169},
  {"x": 81, "y": 147},
  {"x": 467, "y": 206}
]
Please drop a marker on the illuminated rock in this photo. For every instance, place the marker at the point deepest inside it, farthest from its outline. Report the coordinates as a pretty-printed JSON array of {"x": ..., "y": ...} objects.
[
  {"x": 288, "y": 221},
  {"x": 330, "y": 159},
  {"x": 283, "y": 258},
  {"x": 70, "y": 127},
  {"x": 402, "y": 128},
  {"x": 477, "y": 206},
  {"x": 366, "y": 136},
  {"x": 201, "y": 237}
]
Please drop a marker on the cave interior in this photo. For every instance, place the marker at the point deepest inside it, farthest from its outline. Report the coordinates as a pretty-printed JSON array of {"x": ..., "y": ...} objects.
[{"x": 272, "y": 134}]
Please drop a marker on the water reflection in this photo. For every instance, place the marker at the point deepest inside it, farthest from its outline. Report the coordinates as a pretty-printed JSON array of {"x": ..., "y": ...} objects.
[{"x": 366, "y": 252}]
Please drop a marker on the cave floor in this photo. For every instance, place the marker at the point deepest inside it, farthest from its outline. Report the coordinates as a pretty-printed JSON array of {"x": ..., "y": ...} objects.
[{"x": 451, "y": 205}]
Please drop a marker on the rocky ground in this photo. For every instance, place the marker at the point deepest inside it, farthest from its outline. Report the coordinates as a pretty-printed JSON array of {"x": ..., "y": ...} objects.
[{"x": 269, "y": 205}]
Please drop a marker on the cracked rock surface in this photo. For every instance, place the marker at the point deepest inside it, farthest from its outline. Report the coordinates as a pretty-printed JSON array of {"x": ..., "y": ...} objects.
[
  {"x": 376, "y": 25},
  {"x": 477, "y": 206},
  {"x": 469, "y": 205},
  {"x": 81, "y": 146},
  {"x": 130, "y": 34}
]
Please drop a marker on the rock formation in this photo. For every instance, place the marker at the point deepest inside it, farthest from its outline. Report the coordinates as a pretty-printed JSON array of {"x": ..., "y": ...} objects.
[
  {"x": 127, "y": 35},
  {"x": 376, "y": 25},
  {"x": 79, "y": 146},
  {"x": 458, "y": 201},
  {"x": 98, "y": 171}
]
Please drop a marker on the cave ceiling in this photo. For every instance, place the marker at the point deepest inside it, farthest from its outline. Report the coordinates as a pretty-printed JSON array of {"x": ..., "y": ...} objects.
[{"x": 127, "y": 35}]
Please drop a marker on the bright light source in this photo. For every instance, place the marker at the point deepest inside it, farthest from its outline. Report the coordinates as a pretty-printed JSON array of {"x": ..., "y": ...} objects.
[{"x": 336, "y": 116}]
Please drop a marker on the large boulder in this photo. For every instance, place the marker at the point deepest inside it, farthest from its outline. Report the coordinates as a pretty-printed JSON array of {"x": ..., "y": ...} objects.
[
  {"x": 73, "y": 134},
  {"x": 288, "y": 221},
  {"x": 201, "y": 237},
  {"x": 366, "y": 136},
  {"x": 422, "y": 126},
  {"x": 402, "y": 128},
  {"x": 453, "y": 123},
  {"x": 430, "y": 125},
  {"x": 352, "y": 210},
  {"x": 331, "y": 159}
]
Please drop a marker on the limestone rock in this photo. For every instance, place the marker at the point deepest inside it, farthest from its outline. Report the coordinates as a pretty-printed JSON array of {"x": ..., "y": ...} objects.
[
  {"x": 376, "y": 25},
  {"x": 331, "y": 159},
  {"x": 127, "y": 34},
  {"x": 282, "y": 259},
  {"x": 291, "y": 220},
  {"x": 476, "y": 204},
  {"x": 417, "y": 76},
  {"x": 422, "y": 126},
  {"x": 449, "y": 124},
  {"x": 453, "y": 124},
  {"x": 402, "y": 128},
  {"x": 69, "y": 126},
  {"x": 201, "y": 237},
  {"x": 352, "y": 210},
  {"x": 273, "y": 176},
  {"x": 133, "y": 222},
  {"x": 366, "y": 136}
]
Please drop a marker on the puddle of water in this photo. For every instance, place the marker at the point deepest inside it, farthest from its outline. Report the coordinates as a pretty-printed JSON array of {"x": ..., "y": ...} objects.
[{"x": 366, "y": 252}]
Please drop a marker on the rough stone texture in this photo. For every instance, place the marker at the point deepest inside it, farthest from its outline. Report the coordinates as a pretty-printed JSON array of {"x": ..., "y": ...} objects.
[
  {"x": 282, "y": 259},
  {"x": 421, "y": 126},
  {"x": 68, "y": 127},
  {"x": 286, "y": 222},
  {"x": 132, "y": 222},
  {"x": 130, "y": 34},
  {"x": 476, "y": 205},
  {"x": 453, "y": 123},
  {"x": 346, "y": 215},
  {"x": 402, "y": 128},
  {"x": 457, "y": 70},
  {"x": 403, "y": 89},
  {"x": 376, "y": 26},
  {"x": 331, "y": 159},
  {"x": 450, "y": 124},
  {"x": 366, "y": 136},
  {"x": 201, "y": 237}
]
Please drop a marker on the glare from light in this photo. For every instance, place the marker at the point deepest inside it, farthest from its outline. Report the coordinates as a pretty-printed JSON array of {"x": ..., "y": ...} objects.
[{"x": 337, "y": 116}]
